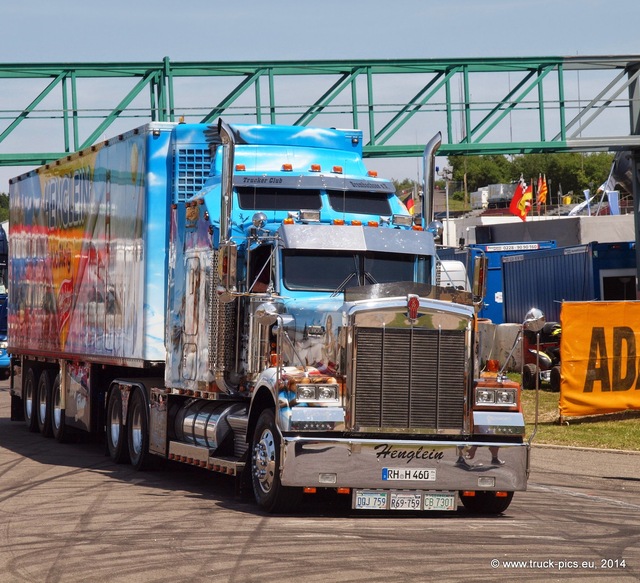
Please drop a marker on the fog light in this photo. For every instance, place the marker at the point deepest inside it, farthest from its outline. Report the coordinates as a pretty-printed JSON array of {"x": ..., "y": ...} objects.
[{"x": 327, "y": 478}]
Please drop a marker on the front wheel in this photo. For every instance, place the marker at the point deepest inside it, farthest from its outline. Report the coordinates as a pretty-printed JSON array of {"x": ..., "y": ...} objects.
[
  {"x": 555, "y": 379},
  {"x": 269, "y": 492},
  {"x": 487, "y": 502},
  {"x": 529, "y": 376}
]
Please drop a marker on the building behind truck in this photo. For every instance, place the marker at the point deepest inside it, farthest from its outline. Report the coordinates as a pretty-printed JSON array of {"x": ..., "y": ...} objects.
[{"x": 251, "y": 300}]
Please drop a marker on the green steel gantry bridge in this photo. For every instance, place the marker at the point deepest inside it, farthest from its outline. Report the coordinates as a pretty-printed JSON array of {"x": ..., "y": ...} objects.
[{"x": 481, "y": 106}]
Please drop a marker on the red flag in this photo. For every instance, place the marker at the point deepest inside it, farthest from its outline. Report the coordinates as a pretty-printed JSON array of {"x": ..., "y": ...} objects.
[
  {"x": 542, "y": 191},
  {"x": 521, "y": 201}
]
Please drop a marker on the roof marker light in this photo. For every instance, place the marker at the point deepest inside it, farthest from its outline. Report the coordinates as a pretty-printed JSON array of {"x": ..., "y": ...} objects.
[
  {"x": 373, "y": 224},
  {"x": 337, "y": 170},
  {"x": 356, "y": 223},
  {"x": 240, "y": 167},
  {"x": 287, "y": 167},
  {"x": 338, "y": 221},
  {"x": 373, "y": 173},
  {"x": 315, "y": 168}
]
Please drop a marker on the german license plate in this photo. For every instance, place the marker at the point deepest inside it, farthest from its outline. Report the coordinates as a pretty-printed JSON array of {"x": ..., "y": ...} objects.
[
  {"x": 412, "y": 474},
  {"x": 439, "y": 501}
]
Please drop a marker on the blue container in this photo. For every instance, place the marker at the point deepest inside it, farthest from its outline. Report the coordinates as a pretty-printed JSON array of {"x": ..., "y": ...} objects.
[
  {"x": 596, "y": 271},
  {"x": 495, "y": 252}
]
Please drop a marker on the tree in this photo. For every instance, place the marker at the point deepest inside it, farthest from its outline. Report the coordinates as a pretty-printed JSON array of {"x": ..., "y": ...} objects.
[
  {"x": 481, "y": 170},
  {"x": 574, "y": 171}
]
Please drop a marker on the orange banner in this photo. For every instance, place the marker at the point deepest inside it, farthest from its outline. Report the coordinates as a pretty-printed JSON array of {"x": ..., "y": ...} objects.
[{"x": 599, "y": 351}]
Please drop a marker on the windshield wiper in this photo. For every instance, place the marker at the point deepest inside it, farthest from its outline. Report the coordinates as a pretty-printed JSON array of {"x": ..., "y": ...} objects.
[
  {"x": 344, "y": 283},
  {"x": 370, "y": 277}
]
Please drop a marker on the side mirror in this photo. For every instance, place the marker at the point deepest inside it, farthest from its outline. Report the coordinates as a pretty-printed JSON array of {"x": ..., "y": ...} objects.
[
  {"x": 227, "y": 271},
  {"x": 266, "y": 314},
  {"x": 479, "y": 286},
  {"x": 534, "y": 320}
]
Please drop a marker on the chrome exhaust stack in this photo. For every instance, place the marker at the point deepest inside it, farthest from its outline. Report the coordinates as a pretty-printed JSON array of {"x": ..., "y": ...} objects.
[{"x": 428, "y": 176}]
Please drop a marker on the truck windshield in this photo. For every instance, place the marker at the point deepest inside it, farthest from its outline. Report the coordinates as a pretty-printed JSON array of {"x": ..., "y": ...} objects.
[
  {"x": 278, "y": 199},
  {"x": 369, "y": 203},
  {"x": 334, "y": 271}
]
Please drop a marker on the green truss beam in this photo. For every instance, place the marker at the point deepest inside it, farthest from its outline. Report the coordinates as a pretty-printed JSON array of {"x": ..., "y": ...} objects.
[{"x": 495, "y": 105}]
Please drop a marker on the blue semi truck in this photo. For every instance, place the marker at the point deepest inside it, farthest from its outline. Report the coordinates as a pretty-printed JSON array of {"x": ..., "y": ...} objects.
[{"x": 251, "y": 300}]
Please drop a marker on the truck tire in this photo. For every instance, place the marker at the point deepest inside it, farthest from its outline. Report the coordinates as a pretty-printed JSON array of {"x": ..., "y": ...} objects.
[
  {"x": 138, "y": 431},
  {"x": 58, "y": 423},
  {"x": 486, "y": 502},
  {"x": 29, "y": 400},
  {"x": 115, "y": 428},
  {"x": 43, "y": 400},
  {"x": 555, "y": 379},
  {"x": 269, "y": 492},
  {"x": 529, "y": 375}
]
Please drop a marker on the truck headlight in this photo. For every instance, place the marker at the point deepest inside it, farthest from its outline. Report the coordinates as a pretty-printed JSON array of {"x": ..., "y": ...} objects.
[
  {"x": 485, "y": 396},
  {"x": 307, "y": 393},
  {"x": 4, "y": 344},
  {"x": 496, "y": 396}
]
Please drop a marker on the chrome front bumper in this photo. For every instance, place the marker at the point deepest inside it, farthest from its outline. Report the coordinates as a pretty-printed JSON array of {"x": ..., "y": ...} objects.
[{"x": 367, "y": 464}]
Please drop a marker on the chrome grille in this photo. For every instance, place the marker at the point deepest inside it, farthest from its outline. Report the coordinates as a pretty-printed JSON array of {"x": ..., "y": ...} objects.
[{"x": 409, "y": 378}]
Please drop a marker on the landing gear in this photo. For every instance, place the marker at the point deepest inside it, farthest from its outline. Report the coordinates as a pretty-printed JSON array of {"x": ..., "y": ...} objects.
[{"x": 269, "y": 492}]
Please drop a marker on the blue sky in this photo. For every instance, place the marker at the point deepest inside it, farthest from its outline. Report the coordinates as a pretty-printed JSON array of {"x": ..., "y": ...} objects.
[
  {"x": 209, "y": 30},
  {"x": 138, "y": 30}
]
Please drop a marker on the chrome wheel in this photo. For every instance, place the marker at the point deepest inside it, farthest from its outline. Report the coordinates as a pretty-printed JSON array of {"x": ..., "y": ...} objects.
[
  {"x": 135, "y": 429},
  {"x": 264, "y": 461},
  {"x": 115, "y": 423}
]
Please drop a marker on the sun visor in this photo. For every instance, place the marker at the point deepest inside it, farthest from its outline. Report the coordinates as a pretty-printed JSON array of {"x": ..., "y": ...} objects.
[{"x": 357, "y": 238}]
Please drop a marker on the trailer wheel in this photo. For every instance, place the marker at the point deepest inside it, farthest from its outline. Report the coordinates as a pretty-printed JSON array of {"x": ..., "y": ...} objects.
[
  {"x": 486, "y": 502},
  {"x": 116, "y": 436},
  {"x": 269, "y": 492},
  {"x": 43, "y": 410},
  {"x": 555, "y": 379},
  {"x": 529, "y": 374},
  {"x": 58, "y": 422},
  {"x": 29, "y": 401},
  {"x": 138, "y": 431}
]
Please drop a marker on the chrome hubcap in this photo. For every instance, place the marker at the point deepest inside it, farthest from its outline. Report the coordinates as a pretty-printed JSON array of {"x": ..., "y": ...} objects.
[{"x": 264, "y": 460}]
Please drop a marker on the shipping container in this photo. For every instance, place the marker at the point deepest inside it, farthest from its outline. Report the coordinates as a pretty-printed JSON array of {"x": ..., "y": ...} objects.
[
  {"x": 596, "y": 271},
  {"x": 493, "y": 302}
]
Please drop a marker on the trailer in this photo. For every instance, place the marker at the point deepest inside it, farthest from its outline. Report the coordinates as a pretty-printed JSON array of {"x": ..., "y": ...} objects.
[{"x": 252, "y": 300}]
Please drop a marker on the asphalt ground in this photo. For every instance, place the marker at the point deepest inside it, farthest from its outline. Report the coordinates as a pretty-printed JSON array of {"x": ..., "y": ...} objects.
[{"x": 69, "y": 514}]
